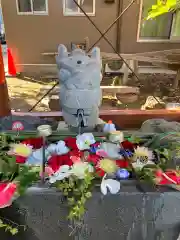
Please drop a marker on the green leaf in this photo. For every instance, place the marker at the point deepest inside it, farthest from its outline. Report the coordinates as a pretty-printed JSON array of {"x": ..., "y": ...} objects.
[
  {"x": 88, "y": 194},
  {"x": 162, "y": 7},
  {"x": 13, "y": 231}
]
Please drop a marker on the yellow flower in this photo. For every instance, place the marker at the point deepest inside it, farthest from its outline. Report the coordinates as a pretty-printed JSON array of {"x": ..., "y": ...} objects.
[
  {"x": 107, "y": 165},
  {"x": 21, "y": 150}
]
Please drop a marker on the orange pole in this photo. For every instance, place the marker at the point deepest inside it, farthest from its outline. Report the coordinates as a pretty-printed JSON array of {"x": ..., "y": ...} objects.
[{"x": 5, "y": 109}]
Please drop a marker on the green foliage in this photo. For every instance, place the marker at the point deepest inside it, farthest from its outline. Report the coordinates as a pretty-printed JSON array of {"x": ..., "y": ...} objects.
[
  {"x": 162, "y": 7},
  {"x": 147, "y": 173},
  {"x": 22, "y": 175},
  {"x": 8, "y": 228},
  {"x": 77, "y": 192}
]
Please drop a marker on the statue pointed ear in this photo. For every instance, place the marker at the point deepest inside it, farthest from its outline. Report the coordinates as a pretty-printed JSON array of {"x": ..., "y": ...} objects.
[
  {"x": 62, "y": 51},
  {"x": 96, "y": 54}
]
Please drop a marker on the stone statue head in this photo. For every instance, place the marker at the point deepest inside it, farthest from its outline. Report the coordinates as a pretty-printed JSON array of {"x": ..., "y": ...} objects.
[{"x": 80, "y": 78}]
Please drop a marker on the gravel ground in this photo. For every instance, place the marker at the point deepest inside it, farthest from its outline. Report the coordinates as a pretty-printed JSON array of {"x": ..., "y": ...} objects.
[{"x": 24, "y": 93}]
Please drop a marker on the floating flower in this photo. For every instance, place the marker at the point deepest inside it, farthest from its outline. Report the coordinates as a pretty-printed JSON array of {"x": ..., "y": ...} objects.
[
  {"x": 101, "y": 153},
  {"x": 21, "y": 160},
  {"x": 21, "y": 150},
  {"x": 94, "y": 159},
  {"x": 62, "y": 173},
  {"x": 58, "y": 149},
  {"x": 52, "y": 149},
  {"x": 36, "y": 143},
  {"x": 107, "y": 165},
  {"x": 36, "y": 157},
  {"x": 84, "y": 141},
  {"x": 79, "y": 169},
  {"x": 71, "y": 143},
  {"x": 116, "y": 136},
  {"x": 75, "y": 159},
  {"x": 110, "y": 150},
  {"x": 76, "y": 153},
  {"x": 121, "y": 163},
  {"x": 126, "y": 153},
  {"x": 100, "y": 172},
  {"x": 142, "y": 156},
  {"x": 128, "y": 145},
  {"x": 55, "y": 162},
  {"x": 110, "y": 184},
  {"x": 7, "y": 193},
  {"x": 93, "y": 149},
  {"x": 122, "y": 174},
  {"x": 48, "y": 172}
]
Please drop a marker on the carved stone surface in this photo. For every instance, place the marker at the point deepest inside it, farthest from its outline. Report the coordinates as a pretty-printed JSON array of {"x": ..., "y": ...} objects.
[
  {"x": 80, "y": 77},
  {"x": 129, "y": 215}
]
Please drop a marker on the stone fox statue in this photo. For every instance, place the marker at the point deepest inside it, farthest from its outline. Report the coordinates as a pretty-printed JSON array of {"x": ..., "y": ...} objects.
[{"x": 80, "y": 78}]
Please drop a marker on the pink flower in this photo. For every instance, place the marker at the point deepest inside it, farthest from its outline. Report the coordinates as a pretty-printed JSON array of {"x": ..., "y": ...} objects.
[
  {"x": 75, "y": 159},
  {"x": 7, "y": 192},
  {"x": 48, "y": 172}
]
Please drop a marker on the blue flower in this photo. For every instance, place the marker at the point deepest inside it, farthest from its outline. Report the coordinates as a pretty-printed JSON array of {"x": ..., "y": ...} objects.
[
  {"x": 126, "y": 153},
  {"x": 93, "y": 149}
]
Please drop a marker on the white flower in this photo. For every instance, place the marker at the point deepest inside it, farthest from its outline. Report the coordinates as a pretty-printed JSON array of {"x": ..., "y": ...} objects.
[
  {"x": 111, "y": 149},
  {"x": 62, "y": 148},
  {"x": 84, "y": 141},
  {"x": 79, "y": 169},
  {"x": 142, "y": 156},
  {"x": 63, "y": 172},
  {"x": 143, "y": 152},
  {"x": 58, "y": 149},
  {"x": 37, "y": 157},
  {"x": 110, "y": 184},
  {"x": 52, "y": 148}
]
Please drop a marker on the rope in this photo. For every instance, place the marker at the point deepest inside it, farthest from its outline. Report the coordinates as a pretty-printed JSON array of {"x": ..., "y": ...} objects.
[{"x": 102, "y": 36}]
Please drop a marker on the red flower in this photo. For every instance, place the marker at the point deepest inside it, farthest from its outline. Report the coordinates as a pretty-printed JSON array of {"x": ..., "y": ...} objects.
[
  {"x": 55, "y": 162},
  {"x": 92, "y": 158},
  {"x": 128, "y": 145},
  {"x": 36, "y": 143},
  {"x": 76, "y": 153},
  {"x": 100, "y": 172},
  {"x": 20, "y": 159},
  {"x": 169, "y": 177},
  {"x": 7, "y": 191},
  {"x": 71, "y": 143},
  {"x": 122, "y": 163}
]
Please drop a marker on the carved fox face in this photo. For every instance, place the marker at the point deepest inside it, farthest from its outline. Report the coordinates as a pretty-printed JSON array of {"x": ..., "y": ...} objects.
[{"x": 77, "y": 60}]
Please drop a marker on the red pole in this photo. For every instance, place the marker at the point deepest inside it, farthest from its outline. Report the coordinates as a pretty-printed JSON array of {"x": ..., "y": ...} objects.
[{"x": 5, "y": 109}]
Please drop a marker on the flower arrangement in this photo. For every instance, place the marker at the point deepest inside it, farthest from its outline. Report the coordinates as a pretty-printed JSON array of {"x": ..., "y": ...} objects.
[{"x": 75, "y": 165}]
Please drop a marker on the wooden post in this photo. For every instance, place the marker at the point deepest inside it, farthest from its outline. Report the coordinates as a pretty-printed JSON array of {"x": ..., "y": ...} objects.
[
  {"x": 135, "y": 68},
  {"x": 126, "y": 73},
  {"x": 176, "y": 80},
  {"x": 5, "y": 109}
]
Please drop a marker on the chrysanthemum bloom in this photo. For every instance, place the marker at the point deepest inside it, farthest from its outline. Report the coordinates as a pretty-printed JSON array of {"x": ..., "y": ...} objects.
[
  {"x": 141, "y": 157},
  {"x": 20, "y": 149},
  {"x": 107, "y": 165}
]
